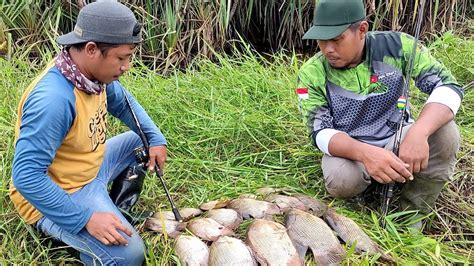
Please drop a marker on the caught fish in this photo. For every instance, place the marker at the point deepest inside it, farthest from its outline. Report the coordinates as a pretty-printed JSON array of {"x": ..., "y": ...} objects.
[
  {"x": 309, "y": 231},
  {"x": 264, "y": 191},
  {"x": 351, "y": 233},
  {"x": 248, "y": 195},
  {"x": 186, "y": 214},
  {"x": 251, "y": 208},
  {"x": 230, "y": 251},
  {"x": 313, "y": 205},
  {"x": 271, "y": 244},
  {"x": 208, "y": 229},
  {"x": 191, "y": 251},
  {"x": 215, "y": 204},
  {"x": 170, "y": 227},
  {"x": 227, "y": 217},
  {"x": 285, "y": 202}
]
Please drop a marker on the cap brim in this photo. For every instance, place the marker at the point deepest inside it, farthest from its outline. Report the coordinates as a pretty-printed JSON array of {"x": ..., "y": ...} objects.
[
  {"x": 325, "y": 32},
  {"x": 70, "y": 39}
]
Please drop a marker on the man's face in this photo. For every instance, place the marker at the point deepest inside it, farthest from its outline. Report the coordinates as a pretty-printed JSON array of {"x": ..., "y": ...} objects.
[
  {"x": 110, "y": 66},
  {"x": 345, "y": 50}
]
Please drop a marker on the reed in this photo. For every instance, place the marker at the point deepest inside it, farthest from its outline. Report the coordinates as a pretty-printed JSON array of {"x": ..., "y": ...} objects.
[{"x": 178, "y": 30}]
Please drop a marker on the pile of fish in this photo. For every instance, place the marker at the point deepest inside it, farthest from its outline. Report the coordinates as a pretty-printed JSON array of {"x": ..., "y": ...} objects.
[{"x": 308, "y": 224}]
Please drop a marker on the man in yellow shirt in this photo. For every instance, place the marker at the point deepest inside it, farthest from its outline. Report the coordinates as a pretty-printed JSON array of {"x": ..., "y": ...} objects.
[{"x": 63, "y": 163}]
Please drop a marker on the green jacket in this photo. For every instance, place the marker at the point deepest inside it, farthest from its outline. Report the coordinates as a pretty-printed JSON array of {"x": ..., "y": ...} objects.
[{"x": 362, "y": 101}]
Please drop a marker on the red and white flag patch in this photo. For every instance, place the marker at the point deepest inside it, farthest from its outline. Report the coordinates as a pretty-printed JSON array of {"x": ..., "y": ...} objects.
[{"x": 302, "y": 93}]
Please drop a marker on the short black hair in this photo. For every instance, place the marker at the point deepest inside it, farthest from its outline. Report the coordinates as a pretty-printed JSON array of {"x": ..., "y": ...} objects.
[{"x": 103, "y": 47}]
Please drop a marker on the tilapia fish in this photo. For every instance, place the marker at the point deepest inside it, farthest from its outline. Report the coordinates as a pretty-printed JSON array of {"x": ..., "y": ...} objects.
[
  {"x": 227, "y": 217},
  {"x": 230, "y": 251},
  {"x": 307, "y": 230},
  {"x": 271, "y": 244},
  {"x": 251, "y": 208},
  {"x": 215, "y": 204},
  {"x": 248, "y": 195},
  {"x": 313, "y": 205},
  {"x": 191, "y": 251},
  {"x": 285, "y": 202},
  {"x": 208, "y": 229},
  {"x": 351, "y": 233},
  {"x": 264, "y": 191},
  {"x": 170, "y": 227},
  {"x": 186, "y": 214}
]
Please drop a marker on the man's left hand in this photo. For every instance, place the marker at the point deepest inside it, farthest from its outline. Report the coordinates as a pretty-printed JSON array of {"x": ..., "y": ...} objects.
[
  {"x": 414, "y": 150},
  {"x": 157, "y": 155}
]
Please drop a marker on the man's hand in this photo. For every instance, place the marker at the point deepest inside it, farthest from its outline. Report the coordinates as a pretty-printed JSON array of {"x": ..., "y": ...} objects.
[
  {"x": 104, "y": 227},
  {"x": 157, "y": 155},
  {"x": 414, "y": 150},
  {"x": 384, "y": 166}
]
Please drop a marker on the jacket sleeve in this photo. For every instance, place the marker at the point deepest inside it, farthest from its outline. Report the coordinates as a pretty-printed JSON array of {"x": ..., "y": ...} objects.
[
  {"x": 46, "y": 118},
  {"x": 118, "y": 107},
  {"x": 314, "y": 106},
  {"x": 431, "y": 76}
]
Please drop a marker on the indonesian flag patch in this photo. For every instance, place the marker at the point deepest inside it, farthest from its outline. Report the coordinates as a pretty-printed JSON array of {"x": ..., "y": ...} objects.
[{"x": 302, "y": 93}]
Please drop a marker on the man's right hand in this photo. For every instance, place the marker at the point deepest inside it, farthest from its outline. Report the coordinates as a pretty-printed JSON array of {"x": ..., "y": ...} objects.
[
  {"x": 384, "y": 166},
  {"x": 104, "y": 227}
]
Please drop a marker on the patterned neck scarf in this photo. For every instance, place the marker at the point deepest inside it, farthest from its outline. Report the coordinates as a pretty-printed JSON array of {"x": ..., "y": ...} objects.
[{"x": 67, "y": 67}]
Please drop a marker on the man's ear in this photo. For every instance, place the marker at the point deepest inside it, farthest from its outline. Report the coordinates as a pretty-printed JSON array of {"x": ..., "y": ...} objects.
[
  {"x": 91, "y": 49},
  {"x": 363, "y": 29}
]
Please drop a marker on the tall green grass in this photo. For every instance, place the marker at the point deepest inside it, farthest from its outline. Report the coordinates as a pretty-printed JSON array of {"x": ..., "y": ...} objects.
[
  {"x": 176, "y": 31},
  {"x": 232, "y": 127}
]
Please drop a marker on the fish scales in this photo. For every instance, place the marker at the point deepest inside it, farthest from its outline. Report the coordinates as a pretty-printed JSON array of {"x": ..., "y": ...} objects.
[
  {"x": 351, "y": 233},
  {"x": 208, "y": 229},
  {"x": 307, "y": 230},
  {"x": 170, "y": 227},
  {"x": 313, "y": 205},
  {"x": 186, "y": 214},
  {"x": 285, "y": 202},
  {"x": 271, "y": 244},
  {"x": 192, "y": 251},
  {"x": 230, "y": 251},
  {"x": 251, "y": 208},
  {"x": 227, "y": 217}
]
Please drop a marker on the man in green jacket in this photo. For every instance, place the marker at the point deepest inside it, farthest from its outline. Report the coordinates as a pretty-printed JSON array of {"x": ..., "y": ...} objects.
[{"x": 348, "y": 93}]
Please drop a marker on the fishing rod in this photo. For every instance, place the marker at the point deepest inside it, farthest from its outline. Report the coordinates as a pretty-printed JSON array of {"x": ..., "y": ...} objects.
[
  {"x": 158, "y": 171},
  {"x": 402, "y": 104}
]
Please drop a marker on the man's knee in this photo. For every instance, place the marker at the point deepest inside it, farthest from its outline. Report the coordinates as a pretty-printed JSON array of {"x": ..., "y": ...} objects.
[
  {"x": 445, "y": 141},
  {"x": 132, "y": 254},
  {"x": 344, "y": 178},
  {"x": 135, "y": 252},
  {"x": 345, "y": 188}
]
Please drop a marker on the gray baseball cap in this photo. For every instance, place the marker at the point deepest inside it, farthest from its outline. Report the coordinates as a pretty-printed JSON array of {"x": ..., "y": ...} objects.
[{"x": 106, "y": 22}]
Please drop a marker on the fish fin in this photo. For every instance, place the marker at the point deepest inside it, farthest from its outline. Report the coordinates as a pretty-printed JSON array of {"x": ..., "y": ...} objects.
[
  {"x": 301, "y": 249},
  {"x": 328, "y": 258},
  {"x": 174, "y": 234}
]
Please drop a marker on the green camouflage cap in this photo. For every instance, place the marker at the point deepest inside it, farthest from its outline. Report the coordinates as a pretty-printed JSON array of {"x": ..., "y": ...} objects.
[{"x": 333, "y": 17}]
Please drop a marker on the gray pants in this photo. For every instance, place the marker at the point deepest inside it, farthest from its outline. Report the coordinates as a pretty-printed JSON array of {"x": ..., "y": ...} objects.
[{"x": 346, "y": 178}]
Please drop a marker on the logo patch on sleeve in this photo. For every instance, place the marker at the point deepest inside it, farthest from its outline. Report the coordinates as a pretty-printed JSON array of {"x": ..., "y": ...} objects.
[{"x": 302, "y": 93}]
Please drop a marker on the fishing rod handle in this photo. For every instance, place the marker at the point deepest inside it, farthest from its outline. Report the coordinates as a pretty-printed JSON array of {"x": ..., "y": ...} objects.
[{"x": 175, "y": 210}]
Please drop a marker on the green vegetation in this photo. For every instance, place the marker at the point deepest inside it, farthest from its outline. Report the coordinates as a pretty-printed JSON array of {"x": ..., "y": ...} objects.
[{"x": 232, "y": 127}]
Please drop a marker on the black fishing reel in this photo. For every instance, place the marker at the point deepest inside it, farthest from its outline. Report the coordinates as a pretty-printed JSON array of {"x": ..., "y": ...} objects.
[{"x": 141, "y": 155}]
